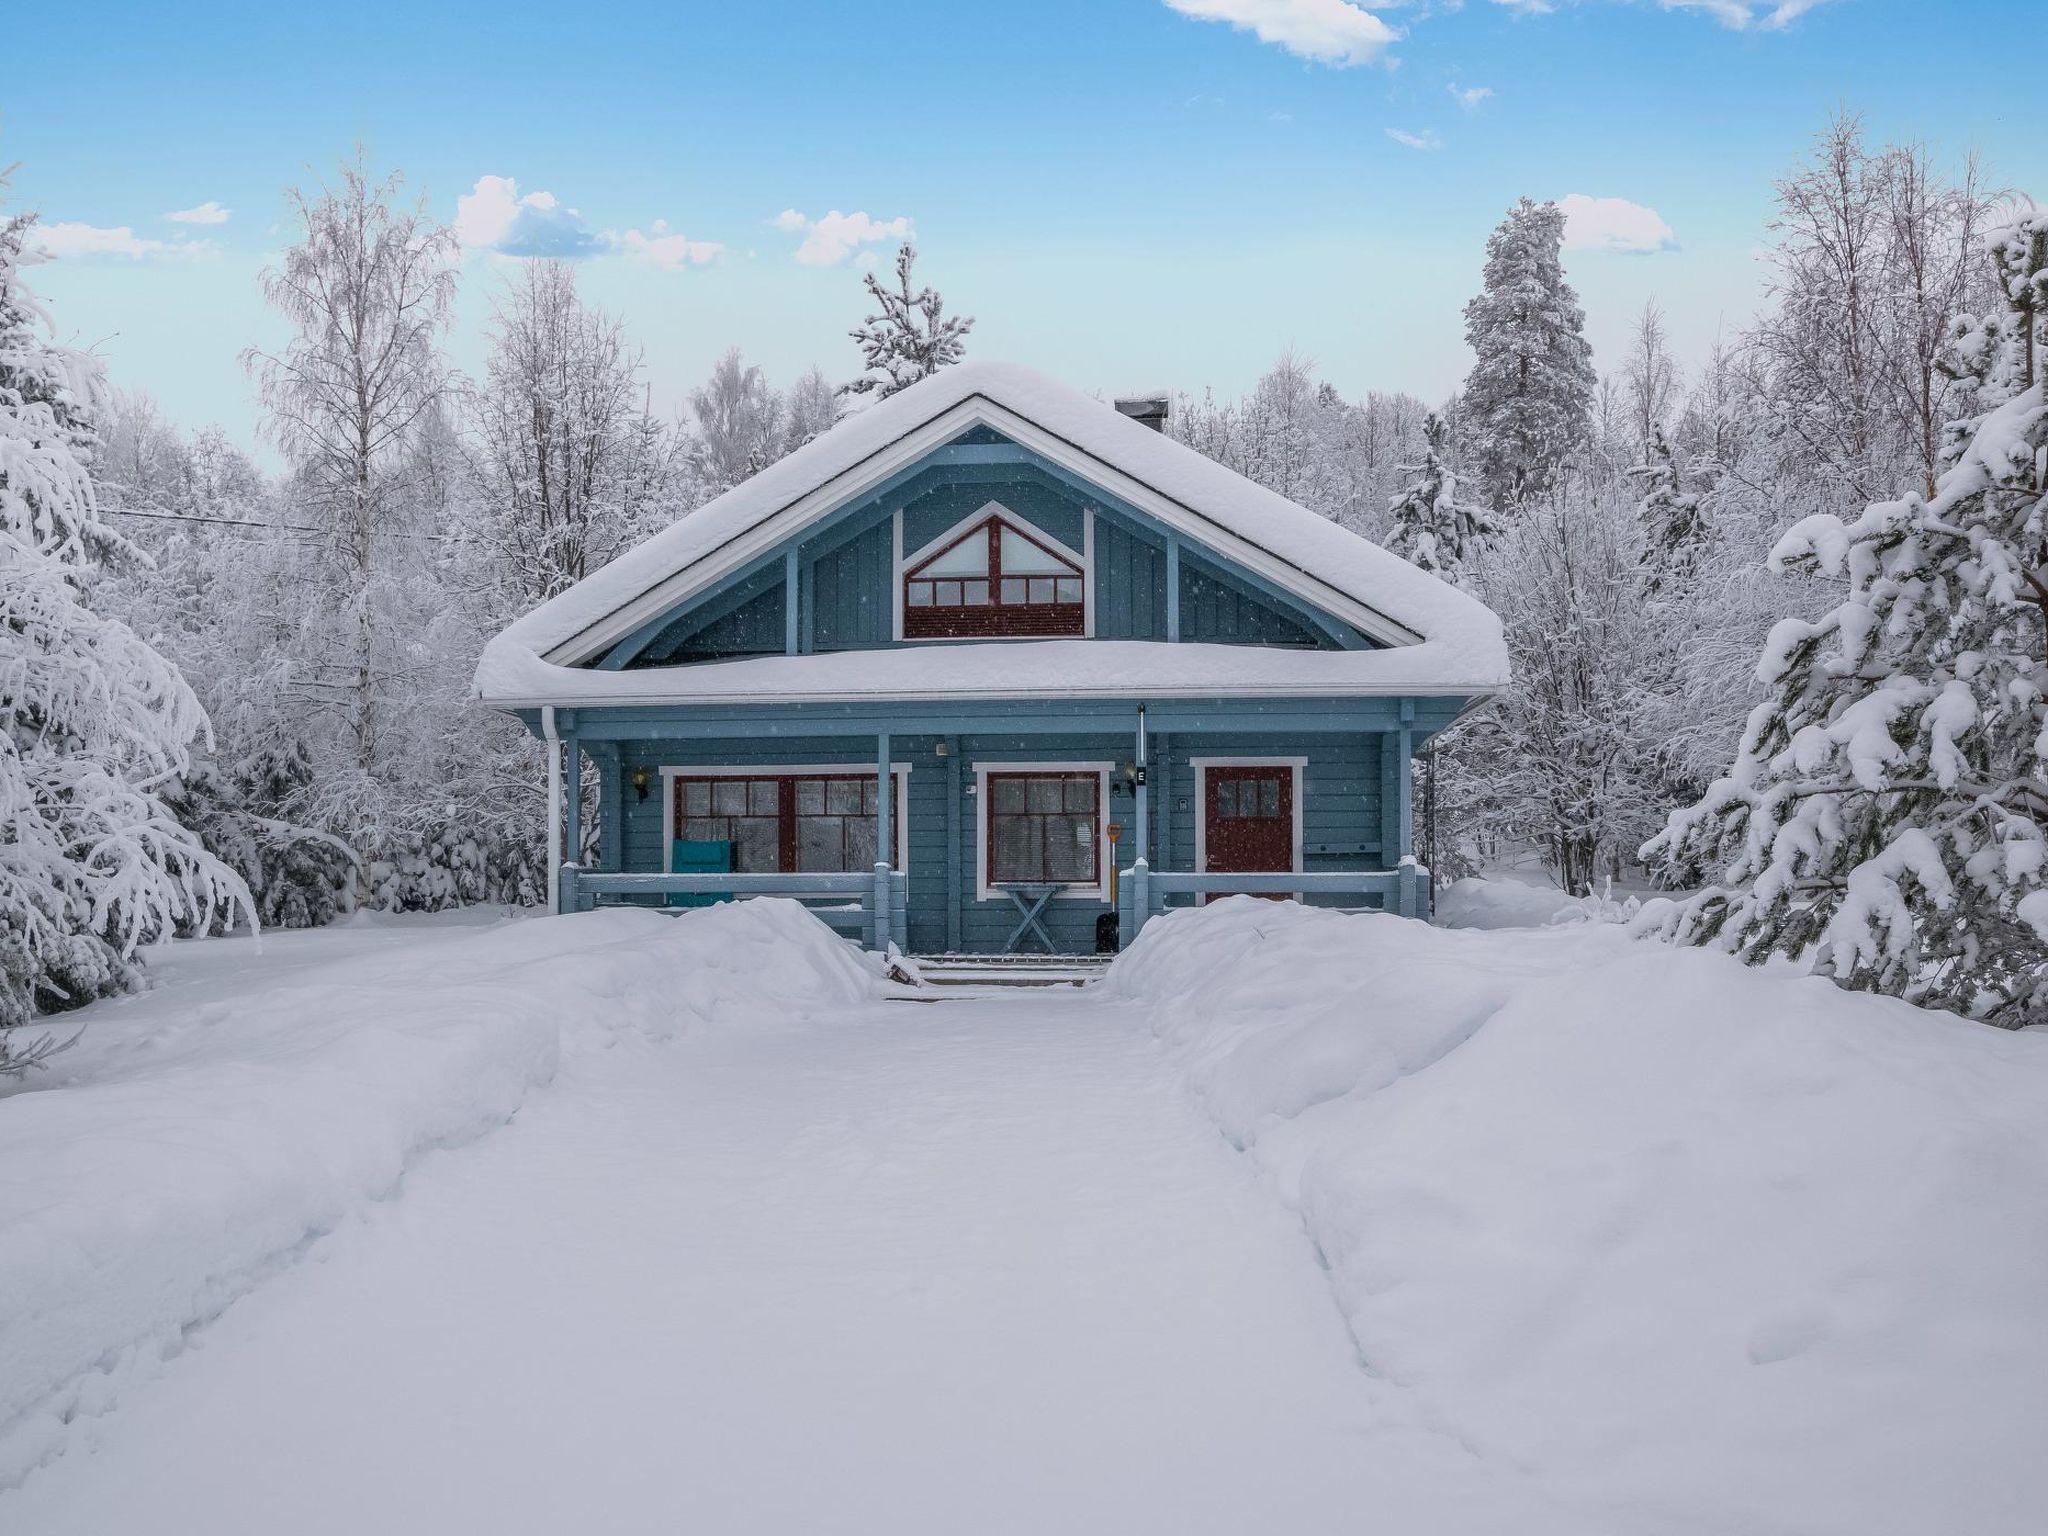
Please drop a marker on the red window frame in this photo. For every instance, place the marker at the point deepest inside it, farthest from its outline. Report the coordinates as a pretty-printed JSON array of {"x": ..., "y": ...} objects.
[
  {"x": 996, "y": 875},
  {"x": 786, "y": 813},
  {"x": 1002, "y": 609}
]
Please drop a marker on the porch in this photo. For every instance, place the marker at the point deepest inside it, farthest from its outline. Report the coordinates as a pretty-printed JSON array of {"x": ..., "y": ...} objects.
[{"x": 1149, "y": 789}]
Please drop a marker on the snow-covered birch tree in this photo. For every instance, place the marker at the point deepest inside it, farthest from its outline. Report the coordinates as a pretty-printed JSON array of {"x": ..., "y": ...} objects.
[
  {"x": 93, "y": 722},
  {"x": 1887, "y": 812},
  {"x": 909, "y": 336},
  {"x": 367, "y": 288}
]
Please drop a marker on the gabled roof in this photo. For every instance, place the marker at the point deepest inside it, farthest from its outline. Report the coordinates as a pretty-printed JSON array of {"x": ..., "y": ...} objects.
[{"x": 1437, "y": 638}]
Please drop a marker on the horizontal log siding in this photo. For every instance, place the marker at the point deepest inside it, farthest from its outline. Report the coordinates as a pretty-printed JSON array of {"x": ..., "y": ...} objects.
[{"x": 1341, "y": 804}]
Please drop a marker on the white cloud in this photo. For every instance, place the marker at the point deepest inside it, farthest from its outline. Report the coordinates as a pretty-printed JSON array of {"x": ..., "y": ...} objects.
[
  {"x": 1469, "y": 96},
  {"x": 1326, "y": 31},
  {"x": 1739, "y": 15},
  {"x": 492, "y": 216},
  {"x": 664, "y": 249},
  {"x": 1427, "y": 139},
  {"x": 208, "y": 212},
  {"x": 1614, "y": 224},
  {"x": 89, "y": 240},
  {"x": 830, "y": 240}
]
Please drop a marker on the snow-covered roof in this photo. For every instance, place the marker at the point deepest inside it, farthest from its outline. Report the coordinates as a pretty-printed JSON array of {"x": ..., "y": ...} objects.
[
  {"x": 1436, "y": 639},
  {"x": 1021, "y": 669}
]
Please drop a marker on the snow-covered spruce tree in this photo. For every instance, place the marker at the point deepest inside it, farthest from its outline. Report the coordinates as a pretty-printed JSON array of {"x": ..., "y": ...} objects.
[
  {"x": 1674, "y": 526},
  {"x": 92, "y": 721},
  {"x": 1528, "y": 399},
  {"x": 909, "y": 337},
  {"x": 1431, "y": 525},
  {"x": 1888, "y": 809}
]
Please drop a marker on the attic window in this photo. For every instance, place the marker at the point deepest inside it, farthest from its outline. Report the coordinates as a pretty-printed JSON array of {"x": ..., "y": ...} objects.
[{"x": 994, "y": 579}]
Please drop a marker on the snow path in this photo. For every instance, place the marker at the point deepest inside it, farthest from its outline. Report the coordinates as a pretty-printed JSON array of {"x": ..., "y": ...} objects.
[{"x": 973, "y": 1266}]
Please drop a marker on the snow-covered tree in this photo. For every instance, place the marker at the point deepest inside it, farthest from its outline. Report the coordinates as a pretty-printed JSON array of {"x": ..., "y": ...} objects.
[
  {"x": 367, "y": 289},
  {"x": 909, "y": 337},
  {"x": 93, "y": 722},
  {"x": 1528, "y": 398},
  {"x": 738, "y": 425},
  {"x": 1887, "y": 812},
  {"x": 1674, "y": 526},
  {"x": 811, "y": 408},
  {"x": 1430, "y": 524},
  {"x": 555, "y": 440},
  {"x": 1650, "y": 378}
]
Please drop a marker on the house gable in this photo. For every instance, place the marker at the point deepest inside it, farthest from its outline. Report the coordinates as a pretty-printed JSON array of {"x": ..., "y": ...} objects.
[{"x": 850, "y": 567}]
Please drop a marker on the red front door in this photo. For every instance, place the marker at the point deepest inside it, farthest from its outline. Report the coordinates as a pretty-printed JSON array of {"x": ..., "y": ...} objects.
[{"x": 1248, "y": 820}]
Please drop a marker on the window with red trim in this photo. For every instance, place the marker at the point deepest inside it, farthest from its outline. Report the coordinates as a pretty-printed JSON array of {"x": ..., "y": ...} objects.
[
  {"x": 994, "y": 579},
  {"x": 812, "y": 824}
]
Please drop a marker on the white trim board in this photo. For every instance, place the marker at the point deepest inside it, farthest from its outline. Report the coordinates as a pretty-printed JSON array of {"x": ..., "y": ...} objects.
[
  {"x": 670, "y": 772},
  {"x": 1201, "y": 767},
  {"x": 1105, "y": 852}
]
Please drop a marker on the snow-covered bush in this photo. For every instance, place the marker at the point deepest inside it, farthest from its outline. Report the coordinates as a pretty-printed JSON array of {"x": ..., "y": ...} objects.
[
  {"x": 1887, "y": 808},
  {"x": 93, "y": 722}
]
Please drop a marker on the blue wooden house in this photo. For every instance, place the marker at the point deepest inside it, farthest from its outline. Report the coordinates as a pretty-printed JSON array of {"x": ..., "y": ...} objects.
[{"x": 991, "y": 662}]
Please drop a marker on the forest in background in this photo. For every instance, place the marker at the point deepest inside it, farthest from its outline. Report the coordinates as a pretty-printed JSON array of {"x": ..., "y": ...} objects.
[{"x": 1619, "y": 513}]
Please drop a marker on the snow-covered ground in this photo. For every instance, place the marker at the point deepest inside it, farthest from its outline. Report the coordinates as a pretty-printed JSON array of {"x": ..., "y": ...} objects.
[{"x": 638, "y": 1223}]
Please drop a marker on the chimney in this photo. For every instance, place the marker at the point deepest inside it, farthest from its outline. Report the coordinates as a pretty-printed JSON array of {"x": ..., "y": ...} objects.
[{"x": 1147, "y": 409}]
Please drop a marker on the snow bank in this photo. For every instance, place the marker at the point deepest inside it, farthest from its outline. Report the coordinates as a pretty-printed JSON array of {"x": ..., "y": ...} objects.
[
  {"x": 1717, "y": 1250},
  {"x": 200, "y": 1144},
  {"x": 1509, "y": 903}
]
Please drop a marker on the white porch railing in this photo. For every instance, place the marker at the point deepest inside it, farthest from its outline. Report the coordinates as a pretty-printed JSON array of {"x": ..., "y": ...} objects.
[
  {"x": 1143, "y": 891},
  {"x": 873, "y": 908}
]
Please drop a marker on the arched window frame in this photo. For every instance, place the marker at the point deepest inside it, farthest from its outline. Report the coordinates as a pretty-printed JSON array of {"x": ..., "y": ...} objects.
[{"x": 996, "y": 620}]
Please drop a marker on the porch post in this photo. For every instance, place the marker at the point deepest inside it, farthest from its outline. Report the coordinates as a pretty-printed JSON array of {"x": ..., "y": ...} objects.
[
  {"x": 885, "y": 846},
  {"x": 1141, "y": 844},
  {"x": 953, "y": 857},
  {"x": 551, "y": 744},
  {"x": 1404, "y": 799},
  {"x": 572, "y": 797}
]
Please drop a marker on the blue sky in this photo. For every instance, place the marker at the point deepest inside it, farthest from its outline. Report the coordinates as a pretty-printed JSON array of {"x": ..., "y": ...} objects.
[{"x": 1124, "y": 193}]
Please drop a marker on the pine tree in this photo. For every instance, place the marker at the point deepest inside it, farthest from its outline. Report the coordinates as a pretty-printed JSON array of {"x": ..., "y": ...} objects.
[
  {"x": 1888, "y": 809},
  {"x": 910, "y": 337},
  {"x": 1674, "y": 526},
  {"x": 92, "y": 720},
  {"x": 1528, "y": 400},
  {"x": 1431, "y": 526}
]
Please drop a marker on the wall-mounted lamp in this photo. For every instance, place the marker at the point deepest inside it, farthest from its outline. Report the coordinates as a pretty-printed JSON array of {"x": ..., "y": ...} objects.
[
  {"x": 942, "y": 749},
  {"x": 640, "y": 782}
]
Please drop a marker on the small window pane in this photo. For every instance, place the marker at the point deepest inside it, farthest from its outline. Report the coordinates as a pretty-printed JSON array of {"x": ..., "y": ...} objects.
[
  {"x": 729, "y": 797},
  {"x": 1009, "y": 795},
  {"x": 1013, "y": 589},
  {"x": 1068, "y": 589},
  {"x": 867, "y": 796},
  {"x": 696, "y": 797},
  {"x": 947, "y": 594},
  {"x": 1070, "y": 848},
  {"x": 1044, "y": 794},
  {"x": 756, "y": 845},
  {"x": 1269, "y": 797},
  {"x": 1016, "y": 849},
  {"x": 810, "y": 797},
  {"x": 974, "y": 594},
  {"x": 920, "y": 594},
  {"x": 1081, "y": 795},
  {"x": 1025, "y": 558},
  {"x": 821, "y": 845},
  {"x": 860, "y": 842},
  {"x": 706, "y": 831},
  {"x": 967, "y": 558},
  {"x": 842, "y": 797},
  {"x": 764, "y": 798}
]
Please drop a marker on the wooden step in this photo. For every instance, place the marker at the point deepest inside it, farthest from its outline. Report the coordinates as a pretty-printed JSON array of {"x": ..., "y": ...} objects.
[{"x": 1009, "y": 970}]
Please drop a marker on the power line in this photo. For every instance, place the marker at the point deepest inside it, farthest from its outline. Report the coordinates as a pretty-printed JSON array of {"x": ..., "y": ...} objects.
[{"x": 248, "y": 522}]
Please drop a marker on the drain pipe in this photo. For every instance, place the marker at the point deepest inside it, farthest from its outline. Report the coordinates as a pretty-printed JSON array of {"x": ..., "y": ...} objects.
[
  {"x": 1142, "y": 841},
  {"x": 554, "y": 750}
]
